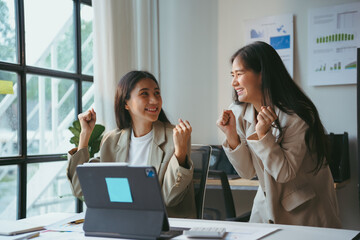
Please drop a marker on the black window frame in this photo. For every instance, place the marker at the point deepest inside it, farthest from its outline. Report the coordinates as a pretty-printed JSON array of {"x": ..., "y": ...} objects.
[{"x": 21, "y": 69}]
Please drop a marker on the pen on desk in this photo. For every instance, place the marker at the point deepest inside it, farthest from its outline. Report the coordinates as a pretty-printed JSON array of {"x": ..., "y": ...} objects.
[
  {"x": 77, "y": 221},
  {"x": 34, "y": 236}
]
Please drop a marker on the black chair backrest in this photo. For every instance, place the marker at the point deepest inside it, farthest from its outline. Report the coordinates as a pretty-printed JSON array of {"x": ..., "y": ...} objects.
[
  {"x": 219, "y": 161},
  {"x": 226, "y": 192},
  {"x": 339, "y": 156},
  {"x": 200, "y": 155}
]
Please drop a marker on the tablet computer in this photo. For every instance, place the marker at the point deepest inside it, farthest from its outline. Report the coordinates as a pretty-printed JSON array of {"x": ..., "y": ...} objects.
[{"x": 123, "y": 201}]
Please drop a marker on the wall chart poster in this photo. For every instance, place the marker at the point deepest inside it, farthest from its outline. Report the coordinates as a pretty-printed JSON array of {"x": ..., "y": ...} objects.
[
  {"x": 333, "y": 39},
  {"x": 276, "y": 31}
]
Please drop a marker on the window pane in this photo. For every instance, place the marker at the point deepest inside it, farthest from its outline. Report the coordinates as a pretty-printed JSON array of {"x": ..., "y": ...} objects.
[
  {"x": 49, "y": 34},
  {"x": 87, "y": 39},
  {"x": 9, "y": 114},
  {"x": 48, "y": 189},
  {"x": 8, "y": 192},
  {"x": 87, "y": 95},
  {"x": 50, "y": 112},
  {"x": 7, "y": 31}
]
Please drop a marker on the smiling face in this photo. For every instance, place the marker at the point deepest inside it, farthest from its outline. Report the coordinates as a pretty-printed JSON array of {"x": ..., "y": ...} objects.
[
  {"x": 145, "y": 103},
  {"x": 246, "y": 83}
]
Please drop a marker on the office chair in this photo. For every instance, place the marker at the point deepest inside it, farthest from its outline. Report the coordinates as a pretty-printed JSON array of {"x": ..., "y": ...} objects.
[
  {"x": 200, "y": 155},
  {"x": 221, "y": 168},
  {"x": 339, "y": 156},
  {"x": 230, "y": 212},
  {"x": 219, "y": 161}
]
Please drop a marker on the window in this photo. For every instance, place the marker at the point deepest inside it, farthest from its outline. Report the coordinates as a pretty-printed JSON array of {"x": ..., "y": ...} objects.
[
  {"x": 55, "y": 49},
  {"x": 7, "y": 32},
  {"x": 47, "y": 56}
]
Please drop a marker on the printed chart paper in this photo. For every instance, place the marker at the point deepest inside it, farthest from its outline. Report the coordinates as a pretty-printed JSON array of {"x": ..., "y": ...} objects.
[
  {"x": 276, "y": 31},
  {"x": 333, "y": 40}
]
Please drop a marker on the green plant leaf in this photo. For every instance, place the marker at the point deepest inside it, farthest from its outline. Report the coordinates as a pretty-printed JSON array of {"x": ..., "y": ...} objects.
[
  {"x": 96, "y": 133},
  {"x": 75, "y": 131},
  {"x": 75, "y": 140},
  {"x": 95, "y": 138},
  {"x": 96, "y": 146},
  {"x": 76, "y": 124},
  {"x": 91, "y": 152}
]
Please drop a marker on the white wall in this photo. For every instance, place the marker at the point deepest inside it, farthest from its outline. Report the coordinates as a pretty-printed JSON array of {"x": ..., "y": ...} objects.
[
  {"x": 197, "y": 38},
  {"x": 188, "y": 64}
]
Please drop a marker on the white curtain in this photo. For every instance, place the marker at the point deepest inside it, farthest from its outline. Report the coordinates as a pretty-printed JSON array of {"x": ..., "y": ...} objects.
[{"x": 125, "y": 39}]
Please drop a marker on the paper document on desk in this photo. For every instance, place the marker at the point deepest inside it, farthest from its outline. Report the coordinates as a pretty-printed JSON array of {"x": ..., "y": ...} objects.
[
  {"x": 54, "y": 235},
  {"x": 70, "y": 224},
  {"x": 238, "y": 231},
  {"x": 243, "y": 233},
  {"x": 249, "y": 233}
]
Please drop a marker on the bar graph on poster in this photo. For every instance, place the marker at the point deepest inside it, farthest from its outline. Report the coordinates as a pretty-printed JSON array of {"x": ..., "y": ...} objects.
[
  {"x": 276, "y": 31},
  {"x": 334, "y": 36}
]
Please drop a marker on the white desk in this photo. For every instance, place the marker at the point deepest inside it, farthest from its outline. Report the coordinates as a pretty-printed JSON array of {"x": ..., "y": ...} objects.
[{"x": 284, "y": 232}]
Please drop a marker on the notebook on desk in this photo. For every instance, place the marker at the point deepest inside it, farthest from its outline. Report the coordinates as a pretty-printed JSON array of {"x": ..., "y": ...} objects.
[
  {"x": 123, "y": 201},
  {"x": 12, "y": 227}
]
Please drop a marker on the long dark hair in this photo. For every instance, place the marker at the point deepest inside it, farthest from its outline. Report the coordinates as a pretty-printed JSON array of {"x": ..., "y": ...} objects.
[
  {"x": 280, "y": 90},
  {"x": 123, "y": 90}
]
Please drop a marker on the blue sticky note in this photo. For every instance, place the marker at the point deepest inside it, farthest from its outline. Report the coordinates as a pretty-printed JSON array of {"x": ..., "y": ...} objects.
[{"x": 119, "y": 190}]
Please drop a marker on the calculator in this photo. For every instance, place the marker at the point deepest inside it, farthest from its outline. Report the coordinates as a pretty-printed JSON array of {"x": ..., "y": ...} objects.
[{"x": 205, "y": 232}]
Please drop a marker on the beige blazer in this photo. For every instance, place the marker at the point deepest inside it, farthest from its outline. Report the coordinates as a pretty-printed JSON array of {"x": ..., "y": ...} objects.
[
  {"x": 288, "y": 193},
  {"x": 175, "y": 181}
]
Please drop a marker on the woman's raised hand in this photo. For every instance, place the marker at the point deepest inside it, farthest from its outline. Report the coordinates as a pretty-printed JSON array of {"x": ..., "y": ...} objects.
[
  {"x": 181, "y": 136},
  {"x": 227, "y": 124},
  {"x": 265, "y": 118},
  {"x": 87, "y": 122}
]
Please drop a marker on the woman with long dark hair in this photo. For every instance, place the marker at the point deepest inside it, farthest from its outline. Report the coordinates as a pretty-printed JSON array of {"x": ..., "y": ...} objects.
[
  {"x": 273, "y": 131},
  {"x": 144, "y": 137}
]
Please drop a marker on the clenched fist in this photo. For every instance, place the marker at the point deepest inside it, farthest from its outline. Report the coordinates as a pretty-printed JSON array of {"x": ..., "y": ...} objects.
[{"x": 181, "y": 137}]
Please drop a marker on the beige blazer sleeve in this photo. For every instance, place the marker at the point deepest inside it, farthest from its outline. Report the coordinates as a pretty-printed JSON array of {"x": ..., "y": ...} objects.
[
  {"x": 78, "y": 157},
  {"x": 177, "y": 180},
  {"x": 283, "y": 160},
  {"x": 178, "y": 189},
  {"x": 174, "y": 179},
  {"x": 240, "y": 158}
]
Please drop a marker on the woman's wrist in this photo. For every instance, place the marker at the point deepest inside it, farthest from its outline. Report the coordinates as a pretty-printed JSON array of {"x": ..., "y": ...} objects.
[
  {"x": 184, "y": 163},
  {"x": 261, "y": 134},
  {"x": 233, "y": 142},
  {"x": 181, "y": 157},
  {"x": 84, "y": 140}
]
